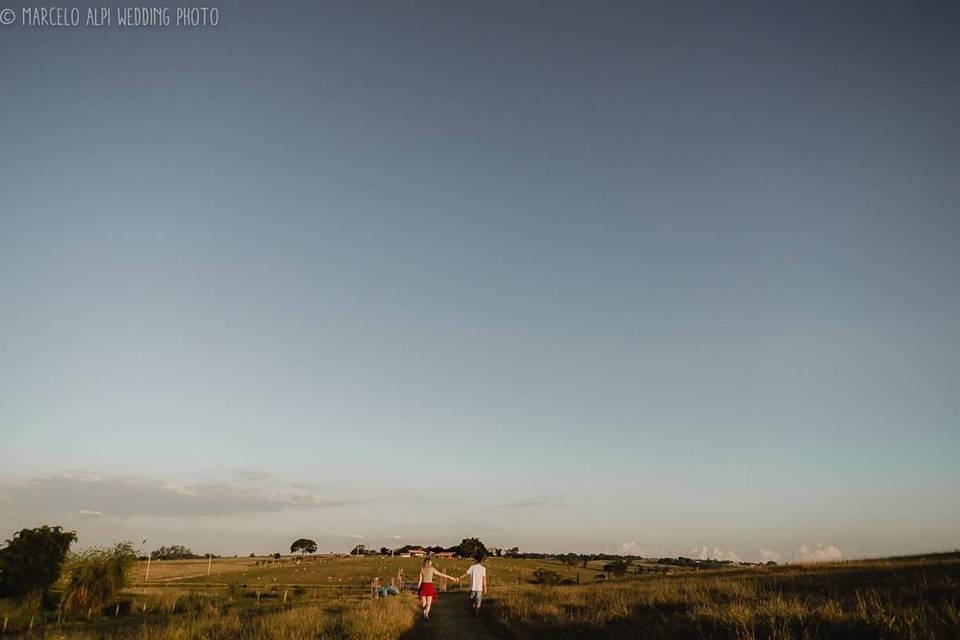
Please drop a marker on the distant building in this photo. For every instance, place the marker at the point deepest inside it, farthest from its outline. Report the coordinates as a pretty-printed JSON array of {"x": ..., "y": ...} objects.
[
  {"x": 418, "y": 553},
  {"x": 444, "y": 554}
]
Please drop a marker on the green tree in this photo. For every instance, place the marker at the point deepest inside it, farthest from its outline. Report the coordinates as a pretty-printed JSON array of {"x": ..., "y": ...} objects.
[
  {"x": 30, "y": 562},
  {"x": 618, "y": 567},
  {"x": 303, "y": 545},
  {"x": 545, "y": 576},
  {"x": 173, "y": 552},
  {"x": 95, "y": 576},
  {"x": 470, "y": 548}
]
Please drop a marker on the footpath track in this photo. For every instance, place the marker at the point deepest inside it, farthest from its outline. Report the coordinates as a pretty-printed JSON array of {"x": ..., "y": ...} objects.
[{"x": 452, "y": 619}]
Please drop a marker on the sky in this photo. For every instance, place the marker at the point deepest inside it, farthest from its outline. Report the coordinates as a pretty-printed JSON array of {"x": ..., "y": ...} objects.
[{"x": 665, "y": 278}]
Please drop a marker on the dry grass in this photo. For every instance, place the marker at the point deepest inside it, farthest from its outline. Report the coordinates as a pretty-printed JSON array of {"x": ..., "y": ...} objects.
[
  {"x": 384, "y": 619},
  {"x": 917, "y": 598},
  {"x": 325, "y": 571}
]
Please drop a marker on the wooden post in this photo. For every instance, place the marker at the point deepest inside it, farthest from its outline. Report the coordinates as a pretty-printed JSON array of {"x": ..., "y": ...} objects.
[
  {"x": 209, "y": 562},
  {"x": 6, "y": 619},
  {"x": 147, "y": 577},
  {"x": 116, "y": 612},
  {"x": 258, "y": 597},
  {"x": 284, "y": 596},
  {"x": 31, "y": 624}
]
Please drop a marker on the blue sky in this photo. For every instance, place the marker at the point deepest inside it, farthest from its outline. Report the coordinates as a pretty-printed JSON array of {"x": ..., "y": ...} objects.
[{"x": 564, "y": 276}]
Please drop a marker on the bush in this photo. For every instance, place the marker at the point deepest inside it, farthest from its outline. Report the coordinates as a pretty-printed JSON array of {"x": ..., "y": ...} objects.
[
  {"x": 617, "y": 567},
  {"x": 547, "y": 577},
  {"x": 30, "y": 563},
  {"x": 96, "y": 575},
  {"x": 175, "y": 552}
]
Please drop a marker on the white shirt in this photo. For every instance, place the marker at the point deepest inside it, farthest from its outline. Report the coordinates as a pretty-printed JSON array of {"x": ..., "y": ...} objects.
[{"x": 477, "y": 573}]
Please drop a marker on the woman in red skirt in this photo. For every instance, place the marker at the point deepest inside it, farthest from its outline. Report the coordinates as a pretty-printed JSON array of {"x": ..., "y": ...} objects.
[{"x": 425, "y": 586}]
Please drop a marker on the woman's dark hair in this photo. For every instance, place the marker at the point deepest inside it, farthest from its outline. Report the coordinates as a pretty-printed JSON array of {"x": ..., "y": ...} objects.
[{"x": 479, "y": 557}]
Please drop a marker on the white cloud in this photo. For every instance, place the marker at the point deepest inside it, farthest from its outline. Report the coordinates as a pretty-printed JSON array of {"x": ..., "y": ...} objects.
[
  {"x": 820, "y": 553},
  {"x": 127, "y": 495},
  {"x": 631, "y": 549},
  {"x": 395, "y": 537},
  {"x": 706, "y": 553},
  {"x": 766, "y": 555},
  {"x": 90, "y": 512},
  {"x": 178, "y": 488},
  {"x": 253, "y": 475},
  {"x": 358, "y": 536}
]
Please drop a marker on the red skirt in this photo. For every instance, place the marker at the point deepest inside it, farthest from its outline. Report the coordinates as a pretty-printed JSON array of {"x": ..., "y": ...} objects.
[{"x": 426, "y": 590}]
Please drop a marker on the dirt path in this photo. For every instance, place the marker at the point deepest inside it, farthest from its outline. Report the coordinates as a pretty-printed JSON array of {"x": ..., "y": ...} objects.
[{"x": 451, "y": 619}]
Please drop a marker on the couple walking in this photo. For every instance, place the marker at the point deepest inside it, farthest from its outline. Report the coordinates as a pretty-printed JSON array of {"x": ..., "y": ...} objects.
[{"x": 478, "y": 584}]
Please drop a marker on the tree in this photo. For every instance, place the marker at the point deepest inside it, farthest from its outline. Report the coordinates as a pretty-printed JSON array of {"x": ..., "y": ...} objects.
[
  {"x": 471, "y": 547},
  {"x": 95, "y": 576},
  {"x": 31, "y": 561},
  {"x": 303, "y": 545},
  {"x": 545, "y": 576},
  {"x": 384, "y": 551},
  {"x": 571, "y": 559},
  {"x": 618, "y": 567},
  {"x": 174, "y": 552}
]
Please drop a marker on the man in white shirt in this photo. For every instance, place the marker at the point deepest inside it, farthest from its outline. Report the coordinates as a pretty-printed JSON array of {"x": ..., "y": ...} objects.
[{"x": 478, "y": 582}]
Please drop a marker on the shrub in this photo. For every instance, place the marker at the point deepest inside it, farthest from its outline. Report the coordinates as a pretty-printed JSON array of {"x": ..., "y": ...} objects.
[
  {"x": 175, "y": 552},
  {"x": 96, "y": 575},
  {"x": 617, "y": 567},
  {"x": 547, "y": 577}
]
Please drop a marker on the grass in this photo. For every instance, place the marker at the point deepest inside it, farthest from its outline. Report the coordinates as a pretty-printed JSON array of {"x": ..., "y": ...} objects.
[
  {"x": 913, "y": 598},
  {"x": 917, "y": 598},
  {"x": 342, "y": 572},
  {"x": 371, "y": 620}
]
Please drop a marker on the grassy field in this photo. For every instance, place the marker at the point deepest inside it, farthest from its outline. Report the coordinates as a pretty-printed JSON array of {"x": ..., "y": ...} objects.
[
  {"x": 328, "y": 598},
  {"x": 254, "y": 588},
  {"x": 914, "y": 598},
  {"x": 354, "y": 571}
]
